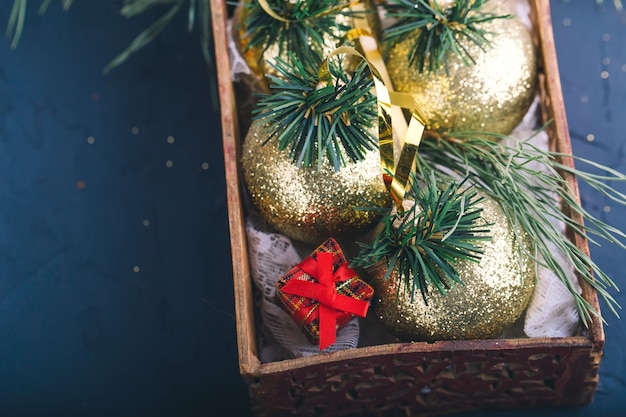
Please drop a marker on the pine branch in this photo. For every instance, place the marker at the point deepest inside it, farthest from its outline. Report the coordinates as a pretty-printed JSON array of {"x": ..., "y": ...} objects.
[
  {"x": 15, "y": 24},
  {"x": 130, "y": 8},
  {"x": 133, "y": 7},
  {"x": 530, "y": 198},
  {"x": 441, "y": 31},
  {"x": 313, "y": 119},
  {"x": 307, "y": 27},
  {"x": 424, "y": 242}
]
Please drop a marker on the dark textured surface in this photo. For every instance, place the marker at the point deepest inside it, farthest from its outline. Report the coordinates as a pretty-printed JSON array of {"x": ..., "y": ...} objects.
[{"x": 115, "y": 280}]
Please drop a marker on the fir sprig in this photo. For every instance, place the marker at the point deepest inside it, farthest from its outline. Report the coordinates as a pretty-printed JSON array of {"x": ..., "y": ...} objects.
[
  {"x": 425, "y": 241},
  {"x": 15, "y": 25},
  {"x": 525, "y": 180},
  {"x": 441, "y": 30},
  {"x": 314, "y": 119},
  {"x": 307, "y": 26},
  {"x": 197, "y": 11}
]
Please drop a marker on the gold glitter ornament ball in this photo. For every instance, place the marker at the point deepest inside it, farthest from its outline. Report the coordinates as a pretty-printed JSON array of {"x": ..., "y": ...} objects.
[
  {"x": 348, "y": 16},
  {"x": 496, "y": 292},
  {"x": 492, "y": 95},
  {"x": 306, "y": 204}
]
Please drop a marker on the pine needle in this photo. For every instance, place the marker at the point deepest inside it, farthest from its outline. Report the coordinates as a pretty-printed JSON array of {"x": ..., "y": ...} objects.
[
  {"x": 309, "y": 26},
  {"x": 424, "y": 242},
  {"x": 441, "y": 31},
  {"x": 129, "y": 9},
  {"x": 16, "y": 21},
  {"x": 315, "y": 120},
  {"x": 147, "y": 35},
  {"x": 530, "y": 198}
]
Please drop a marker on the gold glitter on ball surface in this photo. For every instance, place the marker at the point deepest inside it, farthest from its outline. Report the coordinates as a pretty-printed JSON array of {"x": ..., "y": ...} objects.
[
  {"x": 496, "y": 292},
  {"x": 492, "y": 95},
  {"x": 309, "y": 205}
]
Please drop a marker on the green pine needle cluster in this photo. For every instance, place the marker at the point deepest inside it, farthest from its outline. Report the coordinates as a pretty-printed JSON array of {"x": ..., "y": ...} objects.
[
  {"x": 528, "y": 183},
  {"x": 441, "y": 31},
  {"x": 198, "y": 10},
  {"x": 424, "y": 242},
  {"x": 310, "y": 25},
  {"x": 314, "y": 119},
  {"x": 15, "y": 25}
]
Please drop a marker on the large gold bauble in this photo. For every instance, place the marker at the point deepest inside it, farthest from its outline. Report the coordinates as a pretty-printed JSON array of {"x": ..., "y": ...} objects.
[
  {"x": 496, "y": 292},
  {"x": 306, "y": 204},
  {"x": 492, "y": 95},
  {"x": 259, "y": 60}
]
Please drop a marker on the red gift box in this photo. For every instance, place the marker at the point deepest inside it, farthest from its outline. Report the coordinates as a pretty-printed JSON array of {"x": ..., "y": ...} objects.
[{"x": 322, "y": 294}]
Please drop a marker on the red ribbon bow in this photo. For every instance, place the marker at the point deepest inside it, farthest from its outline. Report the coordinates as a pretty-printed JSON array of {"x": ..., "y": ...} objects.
[{"x": 325, "y": 292}]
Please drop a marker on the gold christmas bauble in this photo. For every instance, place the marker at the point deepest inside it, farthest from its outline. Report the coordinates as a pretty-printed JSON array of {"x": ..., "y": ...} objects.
[
  {"x": 307, "y": 204},
  {"x": 496, "y": 291},
  {"x": 492, "y": 95},
  {"x": 328, "y": 36}
]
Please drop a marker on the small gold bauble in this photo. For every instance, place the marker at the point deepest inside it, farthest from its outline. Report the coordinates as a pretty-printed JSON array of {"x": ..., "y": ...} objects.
[
  {"x": 306, "y": 204},
  {"x": 259, "y": 59},
  {"x": 492, "y": 95},
  {"x": 496, "y": 292}
]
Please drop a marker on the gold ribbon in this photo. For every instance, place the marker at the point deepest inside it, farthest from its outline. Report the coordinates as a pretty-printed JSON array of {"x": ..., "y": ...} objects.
[{"x": 396, "y": 175}]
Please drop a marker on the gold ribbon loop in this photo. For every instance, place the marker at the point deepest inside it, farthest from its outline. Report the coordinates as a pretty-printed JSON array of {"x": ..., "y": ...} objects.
[{"x": 396, "y": 175}]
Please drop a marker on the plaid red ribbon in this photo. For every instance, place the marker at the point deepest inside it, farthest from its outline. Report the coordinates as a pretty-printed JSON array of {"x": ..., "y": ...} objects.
[{"x": 325, "y": 292}]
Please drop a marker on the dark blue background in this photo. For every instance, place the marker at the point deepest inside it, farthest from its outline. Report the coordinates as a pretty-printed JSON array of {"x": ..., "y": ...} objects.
[{"x": 115, "y": 275}]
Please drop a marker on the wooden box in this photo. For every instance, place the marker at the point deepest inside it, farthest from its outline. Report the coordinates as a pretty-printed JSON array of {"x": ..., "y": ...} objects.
[{"x": 409, "y": 378}]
